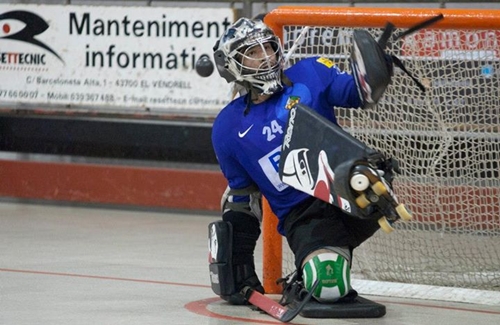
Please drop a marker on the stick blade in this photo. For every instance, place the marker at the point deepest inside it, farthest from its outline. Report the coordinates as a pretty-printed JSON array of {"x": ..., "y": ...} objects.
[
  {"x": 274, "y": 309},
  {"x": 271, "y": 307}
]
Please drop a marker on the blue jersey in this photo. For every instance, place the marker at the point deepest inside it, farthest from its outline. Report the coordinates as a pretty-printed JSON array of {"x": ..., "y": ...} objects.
[{"x": 247, "y": 143}]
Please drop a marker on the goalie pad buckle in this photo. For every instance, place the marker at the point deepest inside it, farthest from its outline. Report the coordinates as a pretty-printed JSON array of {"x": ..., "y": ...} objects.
[
  {"x": 371, "y": 67},
  {"x": 253, "y": 207}
]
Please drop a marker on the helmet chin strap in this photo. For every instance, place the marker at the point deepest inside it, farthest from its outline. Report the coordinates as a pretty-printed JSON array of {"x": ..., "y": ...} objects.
[
  {"x": 285, "y": 80},
  {"x": 253, "y": 96},
  {"x": 250, "y": 89},
  {"x": 254, "y": 92}
]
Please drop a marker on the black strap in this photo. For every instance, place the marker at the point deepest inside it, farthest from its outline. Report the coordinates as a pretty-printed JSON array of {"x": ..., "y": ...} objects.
[
  {"x": 400, "y": 65},
  {"x": 388, "y": 32},
  {"x": 420, "y": 25},
  {"x": 384, "y": 38}
]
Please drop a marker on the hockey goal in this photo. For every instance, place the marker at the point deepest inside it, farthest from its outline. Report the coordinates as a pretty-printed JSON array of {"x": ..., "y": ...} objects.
[{"x": 447, "y": 141}]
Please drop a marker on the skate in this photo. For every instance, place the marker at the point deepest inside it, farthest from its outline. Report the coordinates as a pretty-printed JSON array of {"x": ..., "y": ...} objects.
[
  {"x": 370, "y": 188},
  {"x": 350, "y": 306},
  {"x": 334, "y": 166}
]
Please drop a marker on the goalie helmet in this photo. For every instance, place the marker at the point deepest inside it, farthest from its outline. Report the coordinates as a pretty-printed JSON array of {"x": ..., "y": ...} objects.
[{"x": 264, "y": 77}]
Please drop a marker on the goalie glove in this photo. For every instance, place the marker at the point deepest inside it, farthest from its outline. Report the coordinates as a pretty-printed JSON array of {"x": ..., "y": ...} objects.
[{"x": 371, "y": 66}]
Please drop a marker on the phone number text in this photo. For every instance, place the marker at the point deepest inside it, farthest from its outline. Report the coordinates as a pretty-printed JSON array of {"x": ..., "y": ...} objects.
[
  {"x": 19, "y": 94},
  {"x": 80, "y": 97}
]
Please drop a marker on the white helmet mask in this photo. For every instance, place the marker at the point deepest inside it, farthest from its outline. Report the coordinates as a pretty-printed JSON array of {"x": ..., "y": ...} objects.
[{"x": 263, "y": 77}]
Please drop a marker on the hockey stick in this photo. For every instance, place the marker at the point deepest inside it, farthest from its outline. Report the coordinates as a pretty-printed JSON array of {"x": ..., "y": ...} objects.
[
  {"x": 420, "y": 25},
  {"x": 388, "y": 32},
  {"x": 274, "y": 309}
]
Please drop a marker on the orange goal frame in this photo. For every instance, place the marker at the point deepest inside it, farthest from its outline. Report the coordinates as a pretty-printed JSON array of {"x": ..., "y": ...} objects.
[{"x": 276, "y": 19}]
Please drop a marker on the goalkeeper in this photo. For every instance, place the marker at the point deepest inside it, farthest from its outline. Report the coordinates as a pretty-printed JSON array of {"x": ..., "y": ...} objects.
[{"x": 247, "y": 137}]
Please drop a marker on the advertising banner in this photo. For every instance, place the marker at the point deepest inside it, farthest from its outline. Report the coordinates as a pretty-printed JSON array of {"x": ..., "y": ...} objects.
[{"x": 110, "y": 58}]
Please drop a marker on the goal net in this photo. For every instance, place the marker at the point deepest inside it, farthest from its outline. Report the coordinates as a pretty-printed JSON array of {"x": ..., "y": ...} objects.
[{"x": 447, "y": 141}]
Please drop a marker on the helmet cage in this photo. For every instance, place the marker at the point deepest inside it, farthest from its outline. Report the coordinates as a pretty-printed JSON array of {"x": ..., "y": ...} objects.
[{"x": 234, "y": 46}]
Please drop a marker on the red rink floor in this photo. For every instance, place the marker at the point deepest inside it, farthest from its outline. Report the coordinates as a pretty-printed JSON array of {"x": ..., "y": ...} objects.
[{"x": 87, "y": 265}]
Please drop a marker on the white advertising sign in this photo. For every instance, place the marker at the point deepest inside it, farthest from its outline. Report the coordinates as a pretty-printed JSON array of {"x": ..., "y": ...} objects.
[{"x": 126, "y": 58}]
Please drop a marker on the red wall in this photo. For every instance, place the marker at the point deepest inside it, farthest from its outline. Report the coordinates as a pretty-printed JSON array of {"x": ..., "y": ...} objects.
[{"x": 124, "y": 185}]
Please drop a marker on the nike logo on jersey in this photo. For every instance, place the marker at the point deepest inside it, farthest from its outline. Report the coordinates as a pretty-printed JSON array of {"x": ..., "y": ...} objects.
[{"x": 242, "y": 134}]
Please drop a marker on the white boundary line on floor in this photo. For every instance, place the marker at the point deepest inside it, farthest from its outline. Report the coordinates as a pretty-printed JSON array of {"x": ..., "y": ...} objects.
[{"x": 427, "y": 292}]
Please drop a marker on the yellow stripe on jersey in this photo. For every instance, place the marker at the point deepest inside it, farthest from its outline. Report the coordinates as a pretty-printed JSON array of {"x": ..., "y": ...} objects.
[{"x": 327, "y": 62}]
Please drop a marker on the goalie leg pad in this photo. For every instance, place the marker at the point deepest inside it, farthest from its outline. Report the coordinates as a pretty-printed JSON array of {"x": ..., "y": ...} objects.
[
  {"x": 233, "y": 269},
  {"x": 333, "y": 272},
  {"x": 371, "y": 67},
  {"x": 220, "y": 238}
]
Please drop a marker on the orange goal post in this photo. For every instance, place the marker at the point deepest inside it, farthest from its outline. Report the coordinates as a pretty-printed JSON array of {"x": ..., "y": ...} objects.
[{"x": 446, "y": 139}]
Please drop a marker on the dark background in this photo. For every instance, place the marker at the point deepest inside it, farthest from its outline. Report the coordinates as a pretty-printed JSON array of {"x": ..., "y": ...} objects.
[{"x": 182, "y": 140}]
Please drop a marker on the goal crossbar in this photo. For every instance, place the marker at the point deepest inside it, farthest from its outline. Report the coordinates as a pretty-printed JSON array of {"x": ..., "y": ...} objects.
[{"x": 378, "y": 17}]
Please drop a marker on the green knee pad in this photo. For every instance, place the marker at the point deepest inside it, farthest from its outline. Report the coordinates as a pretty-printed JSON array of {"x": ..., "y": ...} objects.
[{"x": 334, "y": 275}]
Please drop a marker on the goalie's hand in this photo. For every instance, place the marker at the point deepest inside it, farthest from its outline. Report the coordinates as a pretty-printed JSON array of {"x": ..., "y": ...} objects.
[{"x": 371, "y": 66}]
